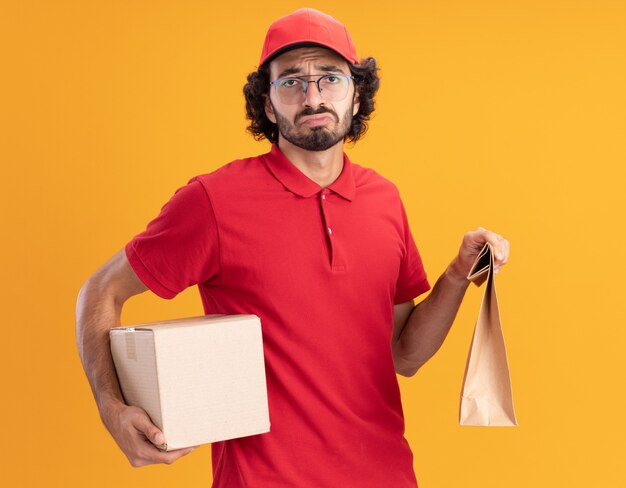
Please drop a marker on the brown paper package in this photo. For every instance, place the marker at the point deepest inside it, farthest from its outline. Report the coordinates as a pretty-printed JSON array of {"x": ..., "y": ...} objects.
[{"x": 487, "y": 399}]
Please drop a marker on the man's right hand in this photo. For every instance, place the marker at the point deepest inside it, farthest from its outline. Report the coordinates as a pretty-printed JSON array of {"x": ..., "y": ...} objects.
[
  {"x": 138, "y": 437},
  {"x": 98, "y": 308}
]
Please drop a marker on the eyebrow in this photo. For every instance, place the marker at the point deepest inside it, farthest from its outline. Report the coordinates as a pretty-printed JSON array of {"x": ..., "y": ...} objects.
[{"x": 328, "y": 68}]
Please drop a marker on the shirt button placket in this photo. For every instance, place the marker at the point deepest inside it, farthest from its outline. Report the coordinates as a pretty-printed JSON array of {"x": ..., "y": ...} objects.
[
  {"x": 329, "y": 231},
  {"x": 337, "y": 262}
]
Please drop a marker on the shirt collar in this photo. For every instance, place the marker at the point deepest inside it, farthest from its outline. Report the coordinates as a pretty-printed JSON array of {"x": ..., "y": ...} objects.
[{"x": 297, "y": 182}]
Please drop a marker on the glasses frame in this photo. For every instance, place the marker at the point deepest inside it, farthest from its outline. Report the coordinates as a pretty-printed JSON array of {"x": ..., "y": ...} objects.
[{"x": 306, "y": 82}]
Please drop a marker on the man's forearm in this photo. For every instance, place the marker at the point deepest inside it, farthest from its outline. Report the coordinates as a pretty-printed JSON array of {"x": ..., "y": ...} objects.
[
  {"x": 429, "y": 322},
  {"x": 96, "y": 313}
]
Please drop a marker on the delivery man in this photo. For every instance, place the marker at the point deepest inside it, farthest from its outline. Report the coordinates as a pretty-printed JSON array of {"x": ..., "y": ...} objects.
[{"x": 320, "y": 249}]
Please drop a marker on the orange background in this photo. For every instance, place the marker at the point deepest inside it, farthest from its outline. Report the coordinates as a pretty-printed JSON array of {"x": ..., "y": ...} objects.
[{"x": 507, "y": 115}]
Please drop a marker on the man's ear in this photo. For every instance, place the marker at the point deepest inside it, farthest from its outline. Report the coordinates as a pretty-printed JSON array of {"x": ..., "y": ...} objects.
[
  {"x": 269, "y": 110},
  {"x": 357, "y": 102}
]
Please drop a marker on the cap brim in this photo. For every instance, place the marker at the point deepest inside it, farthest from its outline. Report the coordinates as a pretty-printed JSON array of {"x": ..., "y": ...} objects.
[{"x": 296, "y": 45}]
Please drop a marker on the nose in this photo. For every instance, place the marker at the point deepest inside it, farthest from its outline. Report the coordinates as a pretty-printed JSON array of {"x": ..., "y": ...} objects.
[{"x": 312, "y": 97}]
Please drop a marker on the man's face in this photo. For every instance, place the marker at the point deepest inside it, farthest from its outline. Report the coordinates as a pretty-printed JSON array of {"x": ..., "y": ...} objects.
[{"x": 315, "y": 123}]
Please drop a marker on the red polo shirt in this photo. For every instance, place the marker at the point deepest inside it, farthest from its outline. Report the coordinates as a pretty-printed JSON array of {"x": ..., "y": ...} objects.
[{"x": 322, "y": 268}]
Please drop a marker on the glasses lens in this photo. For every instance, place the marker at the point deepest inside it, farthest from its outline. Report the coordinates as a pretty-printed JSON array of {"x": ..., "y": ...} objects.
[
  {"x": 333, "y": 88},
  {"x": 290, "y": 90}
]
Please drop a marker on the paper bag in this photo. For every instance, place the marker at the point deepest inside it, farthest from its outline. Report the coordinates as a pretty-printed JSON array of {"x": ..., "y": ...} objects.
[{"x": 486, "y": 399}]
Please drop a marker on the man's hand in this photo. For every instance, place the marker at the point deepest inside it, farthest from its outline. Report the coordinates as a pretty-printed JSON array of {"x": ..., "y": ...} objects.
[
  {"x": 138, "y": 437},
  {"x": 98, "y": 308},
  {"x": 417, "y": 338},
  {"x": 472, "y": 244}
]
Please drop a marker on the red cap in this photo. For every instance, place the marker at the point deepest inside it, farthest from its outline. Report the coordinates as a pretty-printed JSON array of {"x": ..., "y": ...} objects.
[{"x": 307, "y": 26}]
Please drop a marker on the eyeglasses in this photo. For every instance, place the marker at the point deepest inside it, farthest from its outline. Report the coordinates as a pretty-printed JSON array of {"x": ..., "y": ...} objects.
[{"x": 292, "y": 90}]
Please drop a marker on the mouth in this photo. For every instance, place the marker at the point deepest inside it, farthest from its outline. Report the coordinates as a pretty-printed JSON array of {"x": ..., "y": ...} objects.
[{"x": 315, "y": 120}]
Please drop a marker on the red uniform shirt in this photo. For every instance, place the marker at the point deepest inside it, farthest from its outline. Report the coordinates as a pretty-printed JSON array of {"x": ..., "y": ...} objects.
[{"x": 322, "y": 268}]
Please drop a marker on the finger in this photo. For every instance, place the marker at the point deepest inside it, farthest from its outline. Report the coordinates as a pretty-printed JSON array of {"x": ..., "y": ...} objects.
[
  {"x": 500, "y": 249},
  {"x": 484, "y": 235},
  {"x": 144, "y": 425},
  {"x": 475, "y": 240},
  {"x": 154, "y": 455},
  {"x": 494, "y": 240},
  {"x": 498, "y": 243},
  {"x": 504, "y": 250}
]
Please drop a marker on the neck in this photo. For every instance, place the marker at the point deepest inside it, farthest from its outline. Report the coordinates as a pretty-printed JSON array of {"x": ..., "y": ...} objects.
[{"x": 323, "y": 167}]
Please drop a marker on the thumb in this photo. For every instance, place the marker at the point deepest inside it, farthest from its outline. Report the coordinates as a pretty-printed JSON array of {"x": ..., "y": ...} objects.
[
  {"x": 150, "y": 430},
  {"x": 157, "y": 437}
]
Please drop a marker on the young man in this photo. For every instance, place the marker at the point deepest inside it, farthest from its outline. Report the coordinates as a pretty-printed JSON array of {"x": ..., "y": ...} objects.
[{"x": 320, "y": 249}]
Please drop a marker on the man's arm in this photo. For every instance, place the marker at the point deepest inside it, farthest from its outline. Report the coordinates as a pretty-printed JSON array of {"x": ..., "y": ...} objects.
[
  {"x": 98, "y": 309},
  {"x": 419, "y": 331}
]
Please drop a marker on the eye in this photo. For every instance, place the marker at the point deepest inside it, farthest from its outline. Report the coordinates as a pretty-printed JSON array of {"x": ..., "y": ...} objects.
[
  {"x": 289, "y": 83},
  {"x": 332, "y": 79}
]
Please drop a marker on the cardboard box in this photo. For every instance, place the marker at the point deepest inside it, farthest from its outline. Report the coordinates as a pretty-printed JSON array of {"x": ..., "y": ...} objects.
[{"x": 200, "y": 379}]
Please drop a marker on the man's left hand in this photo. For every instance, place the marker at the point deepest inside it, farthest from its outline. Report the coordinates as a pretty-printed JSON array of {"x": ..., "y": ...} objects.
[{"x": 472, "y": 244}]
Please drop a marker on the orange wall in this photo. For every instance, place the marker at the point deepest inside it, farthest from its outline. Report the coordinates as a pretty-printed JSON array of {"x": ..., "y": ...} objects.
[{"x": 507, "y": 115}]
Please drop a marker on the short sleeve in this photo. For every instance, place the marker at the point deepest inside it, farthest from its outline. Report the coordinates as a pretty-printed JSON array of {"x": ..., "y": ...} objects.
[
  {"x": 412, "y": 280},
  {"x": 180, "y": 247}
]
